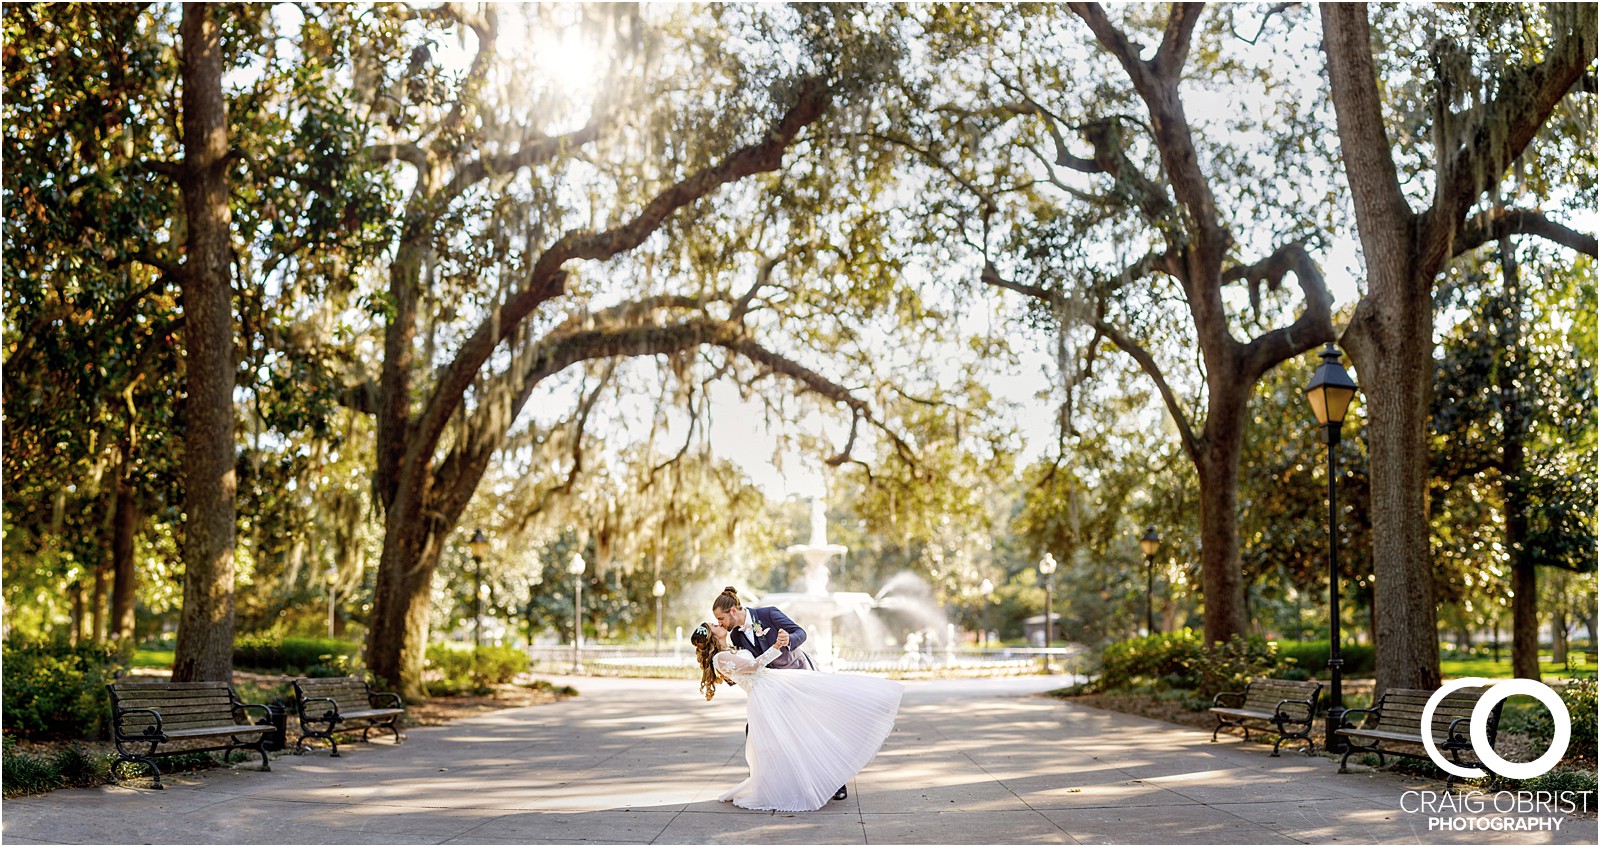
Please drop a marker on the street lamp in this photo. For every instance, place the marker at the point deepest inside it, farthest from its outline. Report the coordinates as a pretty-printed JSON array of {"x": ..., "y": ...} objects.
[
  {"x": 479, "y": 545},
  {"x": 986, "y": 588},
  {"x": 1330, "y": 393},
  {"x": 1047, "y": 566},
  {"x": 576, "y": 567},
  {"x": 1150, "y": 543},
  {"x": 658, "y": 591}
]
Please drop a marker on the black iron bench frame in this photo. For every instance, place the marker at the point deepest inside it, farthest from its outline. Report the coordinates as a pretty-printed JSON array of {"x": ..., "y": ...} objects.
[
  {"x": 1285, "y": 723},
  {"x": 156, "y": 734},
  {"x": 333, "y": 719},
  {"x": 1456, "y": 706}
]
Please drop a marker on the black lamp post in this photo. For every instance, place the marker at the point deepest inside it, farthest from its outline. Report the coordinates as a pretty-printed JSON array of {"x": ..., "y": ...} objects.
[
  {"x": 1150, "y": 543},
  {"x": 1047, "y": 567},
  {"x": 1330, "y": 393},
  {"x": 658, "y": 590},
  {"x": 479, "y": 545}
]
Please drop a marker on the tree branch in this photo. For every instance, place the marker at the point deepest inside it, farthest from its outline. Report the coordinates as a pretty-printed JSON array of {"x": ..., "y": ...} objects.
[
  {"x": 1486, "y": 227},
  {"x": 1153, "y": 370},
  {"x": 547, "y": 280},
  {"x": 1313, "y": 327}
]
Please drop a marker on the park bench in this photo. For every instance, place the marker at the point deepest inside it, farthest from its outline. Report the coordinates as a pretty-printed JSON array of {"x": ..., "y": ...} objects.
[
  {"x": 1289, "y": 705},
  {"x": 169, "y": 716},
  {"x": 1394, "y": 726},
  {"x": 343, "y": 703}
]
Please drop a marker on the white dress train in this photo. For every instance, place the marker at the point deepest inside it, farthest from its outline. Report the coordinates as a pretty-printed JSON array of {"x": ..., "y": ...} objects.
[{"x": 810, "y": 732}]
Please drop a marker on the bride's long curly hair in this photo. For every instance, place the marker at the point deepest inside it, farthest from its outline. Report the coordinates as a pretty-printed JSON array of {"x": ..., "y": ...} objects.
[{"x": 706, "y": 649}]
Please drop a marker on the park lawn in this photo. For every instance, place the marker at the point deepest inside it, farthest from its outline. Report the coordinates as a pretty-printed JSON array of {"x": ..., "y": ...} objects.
[
  {"x": 1490, "y": 669},
  {"x": 152, "y": 658}
]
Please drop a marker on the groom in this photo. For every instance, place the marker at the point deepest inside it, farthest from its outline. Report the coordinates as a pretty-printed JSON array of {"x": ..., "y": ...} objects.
[{"x": 756, "y": 629}]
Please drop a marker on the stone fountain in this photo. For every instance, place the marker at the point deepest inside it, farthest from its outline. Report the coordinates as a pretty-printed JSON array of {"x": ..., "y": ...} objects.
[{"x": 814, "y": 607}]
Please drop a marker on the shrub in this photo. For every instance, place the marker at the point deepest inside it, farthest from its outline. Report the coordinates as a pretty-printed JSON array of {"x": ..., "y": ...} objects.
[
  {"x": 291, "y": 655},
  {"x": 55, "y": 690},
  {"x": 1165, "y": 655},
  {"x": 36, "y": 773},
  {"x": 1579, "y": 695},
  {"x": 1229, "y": 666},
  {"x": 1313, "y": 657},
  {"x": 1562, "y": 779},
  {"x": 454, "y": 668}
]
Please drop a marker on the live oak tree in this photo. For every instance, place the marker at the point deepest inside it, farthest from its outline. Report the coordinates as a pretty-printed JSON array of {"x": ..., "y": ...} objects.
[
  {"x": 99, "y": 175},
  {"x": 487, "y": 295},
  {"x": 1119, "y": 216},
  {"x": 1476, "y": 112}
]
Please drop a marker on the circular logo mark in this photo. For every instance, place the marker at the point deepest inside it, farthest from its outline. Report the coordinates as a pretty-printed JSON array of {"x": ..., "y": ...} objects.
[{"x": 1478, "y": 727}]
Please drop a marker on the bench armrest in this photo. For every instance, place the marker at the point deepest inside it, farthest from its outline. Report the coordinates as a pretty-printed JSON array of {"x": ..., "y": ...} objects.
[
  {"x": 1301, "y": 704},
  {"x": 1347, "y": 723},
  {"x": 148, "y": 731},
  {"x": 246, "y": 707},
  {"x": 377, "y": 699},
  {"x": 1455, "y": 734},
  {"x": 328, "y": 715},
  {"x": 1217, "y": 700}
]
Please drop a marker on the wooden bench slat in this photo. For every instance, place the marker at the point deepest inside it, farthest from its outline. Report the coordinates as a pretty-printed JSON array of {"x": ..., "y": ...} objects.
[
  {"x": 157, "y": 686},
  {"x": 214, "y": 731}
]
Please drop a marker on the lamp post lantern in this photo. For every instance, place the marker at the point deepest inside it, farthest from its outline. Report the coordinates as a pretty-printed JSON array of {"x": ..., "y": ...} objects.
[
  {"x": 1150, "y": 543},
  {"x": 986, "y": 588},
  {"x": 1047, "y": 567},
  {"x": 576, "y": 567},
  {"x": 1330, "y": 393},
  {"x": 658, "y": 590}
]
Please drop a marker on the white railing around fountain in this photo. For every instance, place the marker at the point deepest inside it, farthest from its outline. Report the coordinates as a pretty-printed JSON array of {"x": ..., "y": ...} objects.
[{"x": 642, "y": 661}]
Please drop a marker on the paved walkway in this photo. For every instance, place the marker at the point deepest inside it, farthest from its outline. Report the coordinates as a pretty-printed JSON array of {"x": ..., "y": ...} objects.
[{"x": 641, "y": 761}]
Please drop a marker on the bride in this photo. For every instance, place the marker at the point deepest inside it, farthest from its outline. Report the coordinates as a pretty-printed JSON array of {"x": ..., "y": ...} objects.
[{"x": 809, "y": 731}]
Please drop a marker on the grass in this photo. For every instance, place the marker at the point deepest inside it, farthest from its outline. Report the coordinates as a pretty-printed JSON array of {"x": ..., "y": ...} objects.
[
  {"x": 143, "y": 658},
  {"x": 1490, "y": 669}
]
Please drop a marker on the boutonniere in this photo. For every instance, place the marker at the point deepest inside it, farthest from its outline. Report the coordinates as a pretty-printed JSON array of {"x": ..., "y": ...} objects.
[{"x": 760, "y": 631}]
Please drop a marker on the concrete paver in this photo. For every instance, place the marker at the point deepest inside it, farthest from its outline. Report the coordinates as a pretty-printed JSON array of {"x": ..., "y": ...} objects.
[{"x": 643, "y": 761}]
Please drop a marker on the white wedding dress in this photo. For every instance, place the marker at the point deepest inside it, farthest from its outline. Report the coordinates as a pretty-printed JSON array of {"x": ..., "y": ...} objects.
[{"x": 810, "y": 732}]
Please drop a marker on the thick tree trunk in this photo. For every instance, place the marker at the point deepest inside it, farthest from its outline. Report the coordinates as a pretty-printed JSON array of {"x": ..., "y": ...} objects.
[
  {"x": 124, "y": 529},
  {"x": 1396, "y": 384},
  {"x": 398, "y": 638},
  {"x": 1514, "y": 423},
  {"x": 1390, "y": 341},
  {"x": 205, "y": 630},
  {"x": 1558, "y": 636},
  {"x": 1221, "y": 582}
]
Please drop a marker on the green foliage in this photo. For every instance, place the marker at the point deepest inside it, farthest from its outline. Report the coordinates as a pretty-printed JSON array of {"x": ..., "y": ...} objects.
[
  {"x": 1167, "y": 656},
  {"x": 55, "y": 690},
  {"x": 1562, "y": 779},
  {"x": 454, "y": 671},
  {"x": 550, "y": 687},
  {"x": 71, "y": 766},
  {"x": 296, "y": 655},
  {"x": 1579, "y": 695},
  {"x": 1182, "y": 661},
  {"x": 1312, "y": 657},
  {"x": 1230, "y": 666}
]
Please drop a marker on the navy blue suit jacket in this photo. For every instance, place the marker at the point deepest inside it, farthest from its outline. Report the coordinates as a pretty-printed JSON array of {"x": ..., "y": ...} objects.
[{"x": 770, "y": 620}]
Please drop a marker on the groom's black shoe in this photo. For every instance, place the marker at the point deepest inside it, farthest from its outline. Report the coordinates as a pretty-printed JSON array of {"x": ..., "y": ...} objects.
[{"x": 842, "y": 794}]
